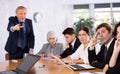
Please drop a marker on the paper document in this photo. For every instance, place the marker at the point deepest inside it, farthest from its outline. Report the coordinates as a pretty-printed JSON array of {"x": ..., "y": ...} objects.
[{"x": 91, "y": 73}]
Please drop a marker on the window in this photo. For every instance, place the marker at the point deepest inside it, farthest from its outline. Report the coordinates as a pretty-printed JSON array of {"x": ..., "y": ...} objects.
[
  {"x": 80, "y": 11},
  {"x": 102, "y": 14},
  {"x": 116, "y": 12}
]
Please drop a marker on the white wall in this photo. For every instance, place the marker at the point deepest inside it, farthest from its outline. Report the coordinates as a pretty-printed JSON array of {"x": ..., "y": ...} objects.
[
  {"x": 55, "y": 16},
  {"x": 3, "y": 25}
]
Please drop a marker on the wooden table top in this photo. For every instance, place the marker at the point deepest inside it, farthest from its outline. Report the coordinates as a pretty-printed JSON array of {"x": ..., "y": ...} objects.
[{"x": 49, "y": 68}]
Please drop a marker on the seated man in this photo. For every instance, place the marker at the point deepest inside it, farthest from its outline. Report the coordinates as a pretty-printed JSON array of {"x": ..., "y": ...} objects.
[
  {"x": 105, "y": 35},
  {"x": 72, "y": 42},
  {"x": 81, "y": 54},
  {"x": 52, "y": 47}
]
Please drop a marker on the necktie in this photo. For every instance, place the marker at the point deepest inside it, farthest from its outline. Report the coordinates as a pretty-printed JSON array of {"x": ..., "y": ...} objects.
[
  {"x": 105, "y": 51},
  {"x": 22, "y": 38}
]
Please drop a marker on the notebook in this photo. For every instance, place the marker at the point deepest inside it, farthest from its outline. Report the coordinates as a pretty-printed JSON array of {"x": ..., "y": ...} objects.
[
  {"x": 24, "y": 66},
  {"x": 75, "y": 67}
]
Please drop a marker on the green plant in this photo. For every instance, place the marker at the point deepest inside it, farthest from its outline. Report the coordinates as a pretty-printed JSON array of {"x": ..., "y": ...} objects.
[{"x": 84, "y": 23}]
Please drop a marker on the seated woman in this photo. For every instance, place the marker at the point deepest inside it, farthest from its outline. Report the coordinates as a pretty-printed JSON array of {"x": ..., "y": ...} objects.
[
  {"x": 114, "y": 64},
  {"x": 81, "y": 54},
  {"x": 52, "y": 47}
]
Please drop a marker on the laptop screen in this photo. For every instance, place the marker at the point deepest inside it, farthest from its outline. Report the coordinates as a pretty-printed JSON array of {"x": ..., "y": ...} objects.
[
  {"x": 75, "y": 66},
  {"x": 61, "y": 62},
  {"x": 28, "y": 62}
]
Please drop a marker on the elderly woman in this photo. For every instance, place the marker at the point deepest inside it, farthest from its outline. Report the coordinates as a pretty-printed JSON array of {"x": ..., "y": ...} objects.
[{"x": 52, "y": 47}]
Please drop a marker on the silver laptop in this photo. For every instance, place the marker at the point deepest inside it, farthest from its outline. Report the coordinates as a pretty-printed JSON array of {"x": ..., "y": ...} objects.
[
  {"x": 75, "y": 67},
  {"x": 24, "y": 66}
]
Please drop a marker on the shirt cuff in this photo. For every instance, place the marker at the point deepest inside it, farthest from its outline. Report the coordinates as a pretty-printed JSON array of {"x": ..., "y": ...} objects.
[
  {"x": 11, "y": 29},
  {"x": 31, "y": 49}
]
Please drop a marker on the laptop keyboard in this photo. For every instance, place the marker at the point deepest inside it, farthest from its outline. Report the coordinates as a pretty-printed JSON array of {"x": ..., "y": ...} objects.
[{"x": 77, "y": 67}]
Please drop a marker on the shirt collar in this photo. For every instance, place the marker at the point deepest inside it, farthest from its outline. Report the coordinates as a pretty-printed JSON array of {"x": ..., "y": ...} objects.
[
  {"x": 109, "y": 43},
  {"x": 73, "y": 42}
]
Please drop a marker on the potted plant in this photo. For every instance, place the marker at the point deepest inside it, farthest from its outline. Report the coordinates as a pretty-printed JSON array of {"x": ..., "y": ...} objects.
[{"x": 84, "y": 23}]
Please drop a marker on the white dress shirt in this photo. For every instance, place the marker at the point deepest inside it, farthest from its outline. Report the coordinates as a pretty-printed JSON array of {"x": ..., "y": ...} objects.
[
  {"x": 73, "y": 43},
  {"x": 108, "y": 45},
  {"x": 80, "y": 53}
]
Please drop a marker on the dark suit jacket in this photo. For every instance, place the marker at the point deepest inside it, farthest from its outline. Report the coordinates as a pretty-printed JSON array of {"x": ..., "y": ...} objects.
[
  {"x": 70, "y": 50},
  {"x": 11, "y": 44},
  {"x": 116, "y": 68},
  {"x": 101, "y": 61}
]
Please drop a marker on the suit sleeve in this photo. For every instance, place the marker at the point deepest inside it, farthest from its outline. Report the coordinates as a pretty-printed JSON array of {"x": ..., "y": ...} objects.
[
  {"x": 12, "y": 22},
  {"x": 31, "y": 36},
  {"x": 70, "y": 50},
  {"x": 91, "y": 55},
  {"x": 65, "y": 53},
  {"x": 114, "y": 70},
  {"x": 95, "y": 60},
  {"x": 42, "y": 50}
]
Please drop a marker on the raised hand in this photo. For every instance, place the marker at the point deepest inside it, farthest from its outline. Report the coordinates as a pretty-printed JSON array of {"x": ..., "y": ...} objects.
[
  {"x": 93, "y": 42},
  {"x": 17, "y": 27},
  {"x": 67, "y": 46},
  {"x": 115, "y": 54},
  {"x": 117, "y": 46}
]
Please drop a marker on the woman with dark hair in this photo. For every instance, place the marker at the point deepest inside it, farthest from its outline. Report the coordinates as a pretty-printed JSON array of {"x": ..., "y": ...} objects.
[
  {"x": 114, "y": 64},
  {"x": 81, "y": 54}
]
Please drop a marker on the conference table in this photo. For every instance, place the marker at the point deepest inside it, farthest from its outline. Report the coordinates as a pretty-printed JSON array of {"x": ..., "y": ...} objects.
[{"x": 43, "y": 67}]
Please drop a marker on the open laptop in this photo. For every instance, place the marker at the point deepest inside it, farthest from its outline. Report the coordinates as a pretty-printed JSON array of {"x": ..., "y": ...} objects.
[
  {"x": 24, "y": 66},
  {"x": 75, "y": 67}
]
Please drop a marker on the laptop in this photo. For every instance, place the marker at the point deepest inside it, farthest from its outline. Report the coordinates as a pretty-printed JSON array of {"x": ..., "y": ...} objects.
[
  {"x": 75, "y": 67},
  {"x": 24, "y": 66}
]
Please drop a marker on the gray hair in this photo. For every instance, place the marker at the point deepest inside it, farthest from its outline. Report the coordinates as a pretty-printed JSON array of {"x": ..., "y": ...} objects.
[
  {"x": 51, "y": 34},
  {"x": 20, "y": 7}
]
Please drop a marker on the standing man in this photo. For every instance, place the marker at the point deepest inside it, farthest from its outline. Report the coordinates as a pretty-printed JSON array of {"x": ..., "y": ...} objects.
[
  {"x": 72, "y": 42},
  {"x": 21, "y": 35}
]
